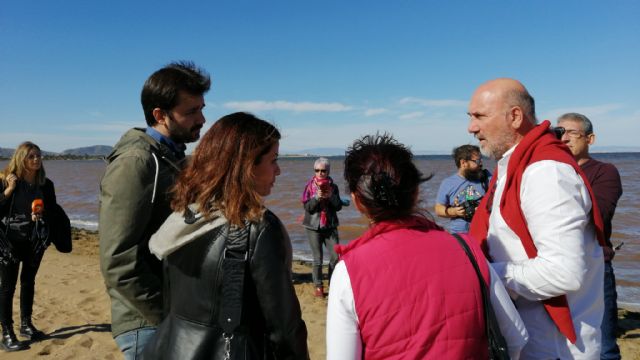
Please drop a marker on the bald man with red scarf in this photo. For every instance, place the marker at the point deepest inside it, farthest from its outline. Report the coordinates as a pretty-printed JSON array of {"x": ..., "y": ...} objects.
[{"x": 538, "y": 226}]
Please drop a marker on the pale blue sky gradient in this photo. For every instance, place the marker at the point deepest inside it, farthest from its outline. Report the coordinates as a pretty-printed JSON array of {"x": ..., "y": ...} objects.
[{"x": 325, "y": 72}]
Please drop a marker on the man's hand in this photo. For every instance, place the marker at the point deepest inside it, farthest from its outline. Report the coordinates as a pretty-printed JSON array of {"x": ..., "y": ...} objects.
[
  {"x": 608, "y": 252},
  {"x": 449, "y": 212},
  {"x": 455, "y": 212}
]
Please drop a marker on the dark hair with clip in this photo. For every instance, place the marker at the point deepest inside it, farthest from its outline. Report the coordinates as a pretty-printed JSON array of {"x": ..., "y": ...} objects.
[{"x": 381, "y": 173}]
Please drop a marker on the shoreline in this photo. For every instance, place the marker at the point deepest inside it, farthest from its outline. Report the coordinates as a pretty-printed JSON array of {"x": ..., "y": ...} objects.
[
  {"x": 624, "y": 305},
  {"x": 71, "y": 306}
]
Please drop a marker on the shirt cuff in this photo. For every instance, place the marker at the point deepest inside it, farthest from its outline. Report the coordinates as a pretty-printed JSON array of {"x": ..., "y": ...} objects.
[{"x": 502, "y": 269}]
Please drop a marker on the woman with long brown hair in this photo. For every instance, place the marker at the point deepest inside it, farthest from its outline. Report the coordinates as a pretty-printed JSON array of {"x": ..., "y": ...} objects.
[
  {"x": 228, "y": 281},
  {"x": 28, "y": 213}
]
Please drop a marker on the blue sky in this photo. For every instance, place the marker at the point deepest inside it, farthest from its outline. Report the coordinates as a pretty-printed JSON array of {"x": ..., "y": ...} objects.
[{"x": 325, "y": 72}]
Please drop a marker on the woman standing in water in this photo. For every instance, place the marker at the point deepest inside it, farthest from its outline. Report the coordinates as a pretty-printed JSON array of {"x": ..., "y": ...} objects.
[{"x": 228, "y": 280}]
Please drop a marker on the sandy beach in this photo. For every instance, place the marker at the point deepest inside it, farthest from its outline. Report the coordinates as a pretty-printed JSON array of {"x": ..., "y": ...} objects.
[{"x": 72, "y": 308}]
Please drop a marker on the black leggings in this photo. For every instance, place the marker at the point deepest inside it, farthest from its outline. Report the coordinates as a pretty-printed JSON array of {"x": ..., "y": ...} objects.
[{"x": 8, "y": 281}]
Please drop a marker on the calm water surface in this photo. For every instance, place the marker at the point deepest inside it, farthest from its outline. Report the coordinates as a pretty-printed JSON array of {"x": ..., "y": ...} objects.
[{"x": 77, "y": 188}]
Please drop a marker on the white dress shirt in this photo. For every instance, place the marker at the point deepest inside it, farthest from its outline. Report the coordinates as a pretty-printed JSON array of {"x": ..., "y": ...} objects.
[
  {"x": 556, "y": 206},
  {"x": 343, "y": 334}
]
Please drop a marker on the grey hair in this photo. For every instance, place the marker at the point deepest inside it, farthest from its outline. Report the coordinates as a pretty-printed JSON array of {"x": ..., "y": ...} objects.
[
  {"x": 525, "y": 101},
  {"x": 587, "y": 126},
  {"x": 322, "y": 161}
]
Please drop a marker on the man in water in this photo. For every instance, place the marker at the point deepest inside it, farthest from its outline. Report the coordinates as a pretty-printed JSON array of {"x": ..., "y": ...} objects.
[
  {"x": 537, "y": 225},
  {"x": 577, "y": 133},
  {"x": 460, "y": 193},
  {"x": 135, "y": 199}
]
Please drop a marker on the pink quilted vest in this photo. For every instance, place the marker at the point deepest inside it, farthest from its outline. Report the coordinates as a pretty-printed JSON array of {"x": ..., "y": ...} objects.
[{"x": 416, "y": 293}]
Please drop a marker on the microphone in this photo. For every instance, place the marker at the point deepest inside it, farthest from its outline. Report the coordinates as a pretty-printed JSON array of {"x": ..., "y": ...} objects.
[{"x": 37, "y": 206}]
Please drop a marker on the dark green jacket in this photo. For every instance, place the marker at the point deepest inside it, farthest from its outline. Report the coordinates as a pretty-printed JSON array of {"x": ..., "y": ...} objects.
[{"x": 134, "y": 202}]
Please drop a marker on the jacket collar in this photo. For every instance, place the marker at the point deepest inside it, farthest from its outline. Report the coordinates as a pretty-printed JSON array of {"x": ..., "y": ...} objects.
[
  {"x": 414, "y": 222},
  {"x": 181, "y": 228}
]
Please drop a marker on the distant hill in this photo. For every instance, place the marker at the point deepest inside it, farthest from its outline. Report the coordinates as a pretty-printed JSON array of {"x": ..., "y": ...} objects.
[
  {"x": 614, "y": 149},
  {"x": 96, "y": 150},
  {"x": 320, "y": 152},
  {"x": 6, "y": 152}
]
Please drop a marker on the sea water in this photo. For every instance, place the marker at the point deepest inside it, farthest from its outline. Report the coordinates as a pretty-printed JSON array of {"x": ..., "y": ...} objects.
[{"x": 77, "y": 185}]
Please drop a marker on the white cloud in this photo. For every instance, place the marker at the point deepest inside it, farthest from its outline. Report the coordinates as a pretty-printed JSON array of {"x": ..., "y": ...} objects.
[
  {"x": 433, "y": 102},
  {"x": 412, "y": 115},
  {"x": 96, "y": 114},
  {"x": 374, "y": 112},
  {"x": 116, "y": 126},
  {"x": 592, "y": 112},
  {"x": 304, "y": 106},
  {"x": 441, "y": 136}
]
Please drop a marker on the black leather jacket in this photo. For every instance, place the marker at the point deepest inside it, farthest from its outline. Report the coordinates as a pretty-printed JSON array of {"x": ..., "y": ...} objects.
[
  {"x": 271, "y": 323},
  {"x": 59, "y": 227}
]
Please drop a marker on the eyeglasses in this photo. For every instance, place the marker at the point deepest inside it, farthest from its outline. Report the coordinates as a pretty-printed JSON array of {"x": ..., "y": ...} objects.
[
  {"x": 324, "y": 171},
  {"x": 478, "y": 161},
  {"x": 561, "y": 131}
]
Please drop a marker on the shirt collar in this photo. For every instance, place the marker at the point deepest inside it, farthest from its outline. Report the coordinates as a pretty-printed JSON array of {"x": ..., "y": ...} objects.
[
  {"x": 504, "y": 161},
  {"x": 177, "y": 148}
]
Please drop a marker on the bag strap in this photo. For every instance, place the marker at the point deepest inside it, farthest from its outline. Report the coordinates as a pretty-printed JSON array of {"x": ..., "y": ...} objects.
[
  {"x": 465, "y": 247},
  {"x": 483, "y": 284},
  {"x": 8, "y": 217},
  {"x": 7, "y": 248},
  {"x": 234, "y": 260},
  {"x": 494, "y": 336}
]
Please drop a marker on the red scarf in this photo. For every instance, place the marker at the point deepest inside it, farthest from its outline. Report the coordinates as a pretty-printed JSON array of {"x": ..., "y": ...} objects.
[
  {"x": 539, "y": 144},
  {"x": 310, "y": 190}
]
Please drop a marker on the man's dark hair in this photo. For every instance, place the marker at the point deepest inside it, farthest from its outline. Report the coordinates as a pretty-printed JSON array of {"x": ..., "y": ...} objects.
[
  {"x": 464, "y": 152},
  {"x": 162, "y": 88}
]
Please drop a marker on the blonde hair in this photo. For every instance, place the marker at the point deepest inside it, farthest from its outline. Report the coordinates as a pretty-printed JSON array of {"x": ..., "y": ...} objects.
[{"x": 17, "y": 164}]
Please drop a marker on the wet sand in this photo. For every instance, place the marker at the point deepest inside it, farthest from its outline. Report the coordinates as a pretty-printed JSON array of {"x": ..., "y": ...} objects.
[{"x": 72, "y": 308}]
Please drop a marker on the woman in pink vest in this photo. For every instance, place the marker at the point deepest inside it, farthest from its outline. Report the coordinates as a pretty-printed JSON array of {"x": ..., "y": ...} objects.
[{"x": 406, "y": 289}]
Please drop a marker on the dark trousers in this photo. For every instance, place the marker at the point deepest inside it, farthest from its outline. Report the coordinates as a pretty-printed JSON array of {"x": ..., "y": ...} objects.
[
  {"x": 8, "y": 281},
  {"x": 328, "y": 238},
  {"x": 609, "y": 325}
]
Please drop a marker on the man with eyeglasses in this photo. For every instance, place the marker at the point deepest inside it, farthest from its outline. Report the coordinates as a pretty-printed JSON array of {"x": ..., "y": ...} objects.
[
  {"x": 460, "y": 193},
  {"x": 135, "y": 199},
  {"x": 538, "y": 226},
  {"x": 577, "y": 134}
]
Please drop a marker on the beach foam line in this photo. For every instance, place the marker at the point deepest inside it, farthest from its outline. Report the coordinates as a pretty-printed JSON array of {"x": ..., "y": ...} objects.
[
  {"x": 84, "y": 224},
  {"x": 629, "y": 306}
]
